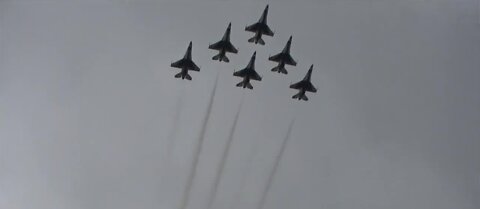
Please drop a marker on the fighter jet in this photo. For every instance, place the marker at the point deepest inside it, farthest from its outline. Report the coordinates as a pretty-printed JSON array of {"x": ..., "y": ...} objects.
[
  {"x": 185, "y": 64},
  {"x": 304, "y": 86},
  {"x": 248, "y": 73},
  {"x": 223, "y": 46},
  {"x": 260, "y": 28},
  {"x": 283, "y": 58}
]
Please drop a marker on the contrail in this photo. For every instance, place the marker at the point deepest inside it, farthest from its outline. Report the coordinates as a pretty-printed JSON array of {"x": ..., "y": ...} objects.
[
  {"x": 198, "y": 150},
  {"x": 174, "y": 130},
  {"x": 223, "y": 159},
  {"x": 275, "y": 167},
  {"x": 238, "y": 195}
]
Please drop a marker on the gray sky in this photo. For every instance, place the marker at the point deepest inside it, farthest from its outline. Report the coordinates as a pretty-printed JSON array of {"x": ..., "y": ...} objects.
[{"x": 87, "y": 100}]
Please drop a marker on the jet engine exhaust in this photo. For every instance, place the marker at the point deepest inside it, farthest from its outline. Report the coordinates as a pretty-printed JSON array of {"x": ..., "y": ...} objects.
[
  {"x": 223, "y": 159},
  {"x": 198, "y": 150},
  {"x": 266, "y": 190}
]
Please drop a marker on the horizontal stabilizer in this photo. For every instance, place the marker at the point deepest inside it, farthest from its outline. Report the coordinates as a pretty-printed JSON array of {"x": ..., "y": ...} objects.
[
  {"x": 249, "y": 85},
  {"x": 225, "y": 59},
  {"x": 240, "y": 84},
  {"x": 279, "y": 69},
  {"x": 216, "y": 57},
  {"x": 251, "y": 40},
  {"x": 260, "y": 41},
  {"x": 178, "y": 75},
  {"x": 188, "y": 77},
  {"x": 300, "y": 96}
]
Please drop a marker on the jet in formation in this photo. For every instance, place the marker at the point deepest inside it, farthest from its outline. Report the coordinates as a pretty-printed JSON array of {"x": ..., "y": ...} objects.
[
  {"x": 248, "y": 73},
  {"x": 223, "y": 46},
  {"x": 260, "y": 28},
  {"x": 303, "y": 86},
  {"x": 283, "y": 58},
  {"x": 185, "y": 64}
]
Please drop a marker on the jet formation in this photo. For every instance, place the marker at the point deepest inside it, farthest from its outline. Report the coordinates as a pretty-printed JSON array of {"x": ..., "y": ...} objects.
[{"x": 248, "y": 73}]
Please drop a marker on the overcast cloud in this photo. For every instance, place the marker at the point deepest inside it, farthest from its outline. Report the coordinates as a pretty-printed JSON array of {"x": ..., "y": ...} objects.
[{"x": 88, "y": 102}]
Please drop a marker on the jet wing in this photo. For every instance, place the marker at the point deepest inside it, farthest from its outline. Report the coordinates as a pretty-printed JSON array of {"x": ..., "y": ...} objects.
[
  {"x": 297, "y": 85},
  {"x": 177, "y": 64},
  {"x": 255, "y": 76},
  {"x": 230, "y": 48},
  {"x": 240, "y": 73},
  {"x": 310, "y": 88},
  {"x": 286, "y": 58},
  {"x": 194, "y": 67},
  {"x": 253, "y": 28},
  {"x": 216, "y": 46},
  {"x": 289, "y": 61},
  {"x": 267, "y": 31},
  {"x": 276, "y": 58}
]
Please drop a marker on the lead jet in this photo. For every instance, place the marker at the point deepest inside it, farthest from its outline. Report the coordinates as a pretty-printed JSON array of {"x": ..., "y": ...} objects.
[
  {"x": 223, "y": 46},
  {"x": 185, "y": 64},
  {"x": 260, "y": 28},
  {"x": 248, "y": 73},
  {"x": 283, "y": 58},
  {"x": 304, "y": 86}
]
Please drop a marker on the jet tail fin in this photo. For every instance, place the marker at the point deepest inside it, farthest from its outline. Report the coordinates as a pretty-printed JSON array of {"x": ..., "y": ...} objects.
[
  {"x": 256, "y": 40},
  {"x": 225, "y": 59},
  {"x": 260, "y": 41},
  {"x": 240, "y": 84},
  {"x": 245, "y": 84},
  {"x": 220, "y": 58},
  {"x": 249, "y": 85},
  {"x": 183, "y": 76},
  {"x": 300, "y": 96},
  {"x": 280, "y": 69}
]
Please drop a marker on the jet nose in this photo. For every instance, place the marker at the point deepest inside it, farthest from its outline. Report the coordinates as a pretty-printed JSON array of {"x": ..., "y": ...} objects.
[
  {"x": 254, "y": 54},
  {"x": 230, "y": 25},
  {"x": 290, "y": 39}
]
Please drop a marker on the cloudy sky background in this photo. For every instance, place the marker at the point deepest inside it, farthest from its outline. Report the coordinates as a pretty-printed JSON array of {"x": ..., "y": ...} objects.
[{"x": 88, "y": 101}]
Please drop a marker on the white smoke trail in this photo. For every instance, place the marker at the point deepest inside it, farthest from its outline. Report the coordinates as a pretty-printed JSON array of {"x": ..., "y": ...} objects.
[
  {"x": 223, "y": 159},
  {"x": 198, "y": 150},
  {"x": 266, "y": 190},
  {"x": 173, "y": 132}
]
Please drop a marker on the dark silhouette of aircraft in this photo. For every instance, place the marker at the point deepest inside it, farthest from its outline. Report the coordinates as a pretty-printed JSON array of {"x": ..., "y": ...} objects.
[
  {"x": 303, "y": 86},
  {"x": 283, "y": 58},
  {"x": 260, "y": 28},
  {"x": 185, "y": 64},
  {"x": 223, "y": 46},
  {"x": 248, "y": 73}
]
